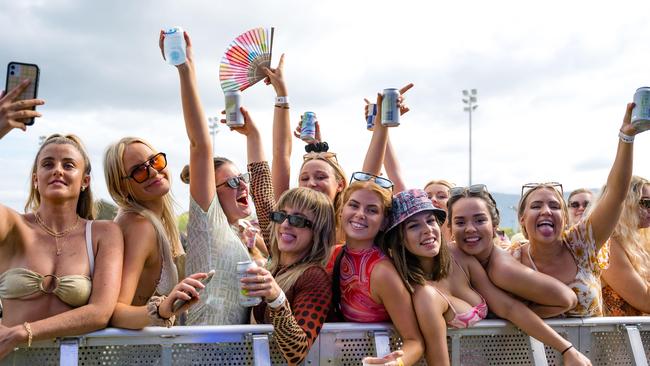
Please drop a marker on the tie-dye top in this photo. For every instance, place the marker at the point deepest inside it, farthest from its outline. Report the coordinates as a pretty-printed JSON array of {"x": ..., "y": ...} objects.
[
  {"x": 356, "y": 303},
  {"x": 579, "y": 239}
]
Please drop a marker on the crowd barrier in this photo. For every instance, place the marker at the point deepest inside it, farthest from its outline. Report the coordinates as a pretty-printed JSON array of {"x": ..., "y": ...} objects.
[{"x": 606, "y": 341}]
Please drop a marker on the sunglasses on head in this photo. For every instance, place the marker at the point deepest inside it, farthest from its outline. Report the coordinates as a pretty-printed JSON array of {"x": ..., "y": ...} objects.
[
  {"x": 473, "y": 190},
  {"x": 294, "y": 220},
  {"x": 325, "y": 155},
  {"x": 364, "y": 177},
  {"x": 141, "y": 172},
  {"x": 530, "y": 186},
  {"x": 644, "y": 202},
  {"x": 576, "y": 204},
  {"x": 233, "y": 182}
]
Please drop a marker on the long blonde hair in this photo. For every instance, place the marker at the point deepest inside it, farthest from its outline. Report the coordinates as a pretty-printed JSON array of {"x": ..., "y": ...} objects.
[
  {"x": 635, "y": 242},
  {"x": 85, "y": 204},
  {"x": 166, "y": 226},
  {"x": 323, "y": 233}
]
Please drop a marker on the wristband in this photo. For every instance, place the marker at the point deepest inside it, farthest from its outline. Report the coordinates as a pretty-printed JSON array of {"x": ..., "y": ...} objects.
[
  {"x": 565, "y": 351},
  {"x": 153, "y": 307},
  {"x": 282, "y": 106},
  {"x": 282, "y": 100},
  {"x": 625, "y": 138},
  {"x": 30, "y": 335},
  {"x": 278, "y": 301}
]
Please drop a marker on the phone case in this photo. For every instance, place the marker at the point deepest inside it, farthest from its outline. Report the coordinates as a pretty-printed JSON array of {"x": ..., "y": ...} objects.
[
  {"x": 178, "y": 303},
  {"x": 16, "y": 73}
]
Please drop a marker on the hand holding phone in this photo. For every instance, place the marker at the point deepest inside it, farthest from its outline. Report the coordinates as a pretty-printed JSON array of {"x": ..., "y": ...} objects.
[
  {"x": 180, "y": 302},
  {"x": 17, "y": 72}
]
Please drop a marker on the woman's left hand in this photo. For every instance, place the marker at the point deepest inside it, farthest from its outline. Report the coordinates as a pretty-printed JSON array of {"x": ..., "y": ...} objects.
[
  {"x": 10, "y": 338},
  {"x": 260, "y": 283},
  {"x": 188, "y": 48},
  {"x": 627, "y": 127},
  {"x": 391, "y": 359}
]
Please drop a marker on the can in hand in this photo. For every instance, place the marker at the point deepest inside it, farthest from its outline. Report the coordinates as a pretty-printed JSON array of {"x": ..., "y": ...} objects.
[
  {"x": 308, "y": 127},
  {"x": 389, "y": 109},
  {"x": 244, "y": 299},
  {"x": 174, "y": 46},
  {"x": 371, "y": 116},
  {"x": 234, "y": 118},
  {"x": 641, "y": 111}
]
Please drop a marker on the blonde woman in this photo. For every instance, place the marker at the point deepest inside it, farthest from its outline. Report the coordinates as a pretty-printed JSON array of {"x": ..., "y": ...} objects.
[{"x": 626, "y": 282}]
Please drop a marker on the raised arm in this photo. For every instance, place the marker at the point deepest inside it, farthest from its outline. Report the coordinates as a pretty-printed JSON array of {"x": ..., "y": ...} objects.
[
  {"x": 605, "y": 215},
  {"x": 281, "y": 168},
  {"x": 624, "y": 279},
  {"x": 202, "y": 187}
]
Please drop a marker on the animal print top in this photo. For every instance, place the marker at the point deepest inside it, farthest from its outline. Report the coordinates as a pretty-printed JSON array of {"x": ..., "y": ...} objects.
[{"x": 263, "y": 196}]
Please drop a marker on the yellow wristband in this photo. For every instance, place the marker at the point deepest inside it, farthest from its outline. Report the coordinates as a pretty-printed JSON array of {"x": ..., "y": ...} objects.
[{"x": 30, "y": 336}]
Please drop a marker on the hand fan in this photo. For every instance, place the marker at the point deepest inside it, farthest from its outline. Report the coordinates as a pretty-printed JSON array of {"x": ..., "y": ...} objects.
[{"x": 241, "y": 65}]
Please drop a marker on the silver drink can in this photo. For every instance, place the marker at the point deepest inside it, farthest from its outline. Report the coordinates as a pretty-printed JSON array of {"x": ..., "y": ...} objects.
[
  {"x": 244, "y": 299},
  {"x": 234, "y": 118},
  {"x": 389, "y": 109},
  {"x": 308, "y": 127},
  {"x": 371, "y": 116},
  {"x": 641, "y": 111}
]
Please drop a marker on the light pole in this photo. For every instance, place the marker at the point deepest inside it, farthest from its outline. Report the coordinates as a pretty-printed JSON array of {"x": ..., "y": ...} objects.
[
  {"x": 213, "y": 123},
  {"x": 469, "y": 98}
]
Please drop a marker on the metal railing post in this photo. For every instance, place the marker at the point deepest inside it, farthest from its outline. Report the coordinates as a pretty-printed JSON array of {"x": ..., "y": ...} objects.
[
  {"x": 261, "y": 350},
  {"x": 635, "y": 345},
  {"x": 69, "y": 352},
  {"x": 382, "y": 343},
  {"x": 537, "y": 352}
]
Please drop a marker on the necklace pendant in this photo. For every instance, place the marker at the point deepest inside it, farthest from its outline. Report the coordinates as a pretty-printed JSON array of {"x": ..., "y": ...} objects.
[{"x": 58, "y": 251}]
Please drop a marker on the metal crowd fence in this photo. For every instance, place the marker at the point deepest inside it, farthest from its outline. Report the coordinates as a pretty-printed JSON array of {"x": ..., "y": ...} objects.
[{"x": 606, "y": 341}]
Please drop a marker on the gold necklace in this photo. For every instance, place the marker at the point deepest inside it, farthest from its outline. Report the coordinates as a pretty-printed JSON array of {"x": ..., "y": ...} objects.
[{"x": 53, "y": 233}]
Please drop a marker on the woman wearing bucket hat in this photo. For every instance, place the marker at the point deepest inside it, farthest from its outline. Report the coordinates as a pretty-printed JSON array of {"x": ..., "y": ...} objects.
[{"x": 449, "y": 287}]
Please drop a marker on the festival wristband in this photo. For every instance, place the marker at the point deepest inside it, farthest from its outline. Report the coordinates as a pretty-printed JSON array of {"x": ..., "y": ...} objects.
[
  {"x": 625, "y": 138},
  {"x": 282, "y": 100},
  {"x": 278, "y": 301}
]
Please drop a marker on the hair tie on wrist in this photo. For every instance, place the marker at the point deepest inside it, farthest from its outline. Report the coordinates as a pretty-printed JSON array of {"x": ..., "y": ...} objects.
[{"x": 565, "y": 351}]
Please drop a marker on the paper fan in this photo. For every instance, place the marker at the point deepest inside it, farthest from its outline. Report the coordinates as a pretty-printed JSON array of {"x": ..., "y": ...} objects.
[{"x": 241, "y": 65}]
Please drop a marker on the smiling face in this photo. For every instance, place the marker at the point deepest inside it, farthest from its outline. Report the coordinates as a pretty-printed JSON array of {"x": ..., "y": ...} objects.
[
  {"x": 234, "y": 201},
  {"x": 157, "y": 185},
  {"x": 320, "y": 176},
  {"x": 472, "y": 227},
  {"x": 294, "y": 242},
  {"x": 60, "y": 172},
  {"x": 421, "y": 233},
  {"x": 542, "y": 216},
  {"x": 362, "y": 216},
  {"x": 438, "y": 194},
  {"x": 644, "y": 213},
  {"x": 577, "y": 206}
]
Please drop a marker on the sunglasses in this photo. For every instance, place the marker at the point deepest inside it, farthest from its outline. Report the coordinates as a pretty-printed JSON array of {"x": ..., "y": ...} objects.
[
  {"x": 644, "y": 202},
  {"x": 576, "y": 205},
  {"x": 234, "y": 182},
  {"x": 529, "y": 186},
  {"x": 325, "y": 155},
  {"x": 296, "y": 221},
  {"x": 473, "y": 190},
  {"x": 364, "y": 177},
  {"x": 141, "y": 172}
]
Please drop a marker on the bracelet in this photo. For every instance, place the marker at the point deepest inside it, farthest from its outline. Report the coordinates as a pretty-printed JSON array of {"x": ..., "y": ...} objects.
[
  {"x": 625, "y": 138},
  {"x": 400, "y": 362},
  {"x": 565, "y": 351},
  {"x": 278, "y": 301},
  {"x": 282, "y": 106},
  {"x": 153, "y": 307},
  {"x": 282, "y": 100},
  {"x": 30, "y": 335}
]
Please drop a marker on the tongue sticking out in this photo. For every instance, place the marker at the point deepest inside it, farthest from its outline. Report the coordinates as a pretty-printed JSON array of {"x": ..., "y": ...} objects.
[{"x": 546, "y": 230}]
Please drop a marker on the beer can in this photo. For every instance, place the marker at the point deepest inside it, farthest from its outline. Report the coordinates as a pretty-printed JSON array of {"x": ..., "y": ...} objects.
[
  {"x": 244, "y": 299},
  {"x": 371, "y": 116},
  {"x": 174, "y": 46},
  {"x": 308, "y": 127},
  {"x": 389, "y": 109},
  {"x": 641, "y": 111},
  {"x": 234, "y": 118}
]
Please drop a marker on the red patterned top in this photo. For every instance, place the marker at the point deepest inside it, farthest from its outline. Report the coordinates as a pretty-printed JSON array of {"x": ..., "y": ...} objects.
[
  {"x": 615, "y": 305},
  {"x": 356, "y": 303}
]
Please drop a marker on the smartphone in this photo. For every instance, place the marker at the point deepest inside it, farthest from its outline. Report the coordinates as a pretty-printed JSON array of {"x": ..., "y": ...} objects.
[
  {"x": 16, "y": 73},
  {"x": 180, "y": 302}
]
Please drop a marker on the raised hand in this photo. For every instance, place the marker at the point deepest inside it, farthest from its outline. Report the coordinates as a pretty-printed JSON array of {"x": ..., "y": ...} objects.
[
  {"x": 14, "y": 113},
  {"x": 275, "y": 77},
  {"x": 249, "y": 126}
]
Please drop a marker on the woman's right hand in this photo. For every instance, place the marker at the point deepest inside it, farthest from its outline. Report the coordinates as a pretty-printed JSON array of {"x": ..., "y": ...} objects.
[
  {"x": 187, "y": 290},
  {"x": 298, "y": 130},
  {"x": 275, "y": 77},
  {"x": 249, "y": 126},
  {"x": 13, "y": 113},
  {"x": 573, "y": 357}
]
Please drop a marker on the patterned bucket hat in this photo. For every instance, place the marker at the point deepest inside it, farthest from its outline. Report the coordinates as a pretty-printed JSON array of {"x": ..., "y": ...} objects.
[{"x": 408, "y": 203}]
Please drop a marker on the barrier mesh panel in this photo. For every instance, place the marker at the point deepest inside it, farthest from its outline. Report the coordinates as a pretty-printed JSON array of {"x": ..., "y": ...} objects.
[
  {"x": 609, "y": 348},
  {"x": 227, "y": 353},
  {"x": 120, "y": 355},
  {"x": 34, "y": 357},
  {"x": 489, "y": 350}
]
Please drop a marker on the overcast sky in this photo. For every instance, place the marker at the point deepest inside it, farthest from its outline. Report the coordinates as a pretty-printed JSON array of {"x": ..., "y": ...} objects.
[{"x": 553, "y": 79}]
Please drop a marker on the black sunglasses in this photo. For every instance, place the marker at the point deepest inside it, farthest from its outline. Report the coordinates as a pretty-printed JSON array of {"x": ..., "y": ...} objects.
[
  {"x": 576, "y": 204},
  {"x": 141, "y": 172},
  {"x": 644, "y": 202},
  {"x": 364, "y": 177},
  {"x": 294, "y": 220},
  {"x": 473, "y": 190},
  {"x": 233, "y": 182}
]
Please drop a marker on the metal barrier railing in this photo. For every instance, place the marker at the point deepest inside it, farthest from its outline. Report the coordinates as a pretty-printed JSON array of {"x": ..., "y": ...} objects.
[{"x": 606, "y": 341}]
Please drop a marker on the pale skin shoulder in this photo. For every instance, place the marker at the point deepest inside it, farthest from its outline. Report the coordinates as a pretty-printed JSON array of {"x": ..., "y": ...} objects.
[
  {"x": 430, "y": 308},
  {"x": 623, "y": 278},
  {"x": 387, "y": 288}
]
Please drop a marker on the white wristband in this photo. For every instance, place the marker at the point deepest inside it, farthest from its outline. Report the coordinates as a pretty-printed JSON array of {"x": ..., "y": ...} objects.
[
  {"x": 278, "y": 301},
  {"x": 282, "y": 100},
  {"x": 625, "y": 138}
]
